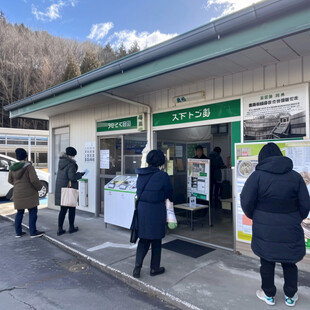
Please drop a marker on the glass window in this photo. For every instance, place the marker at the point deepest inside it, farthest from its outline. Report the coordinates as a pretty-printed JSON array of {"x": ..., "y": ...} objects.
[
  {"x": 17, "y": 140},
  {"x": 133, "y": 147},
  {"x": 41, "y": 141}
]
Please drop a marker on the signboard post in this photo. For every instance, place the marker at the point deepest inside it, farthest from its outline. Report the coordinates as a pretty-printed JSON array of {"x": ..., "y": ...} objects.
[{"x": 198, "y": 178}]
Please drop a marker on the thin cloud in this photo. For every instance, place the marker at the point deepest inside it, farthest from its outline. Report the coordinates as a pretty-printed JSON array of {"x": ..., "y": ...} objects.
[
  {"x": 99, "y": 31},
  {"x": 53, "y": 11},
  {"x": 144, "y": 39},
  {"x": 225, "y": 7}
]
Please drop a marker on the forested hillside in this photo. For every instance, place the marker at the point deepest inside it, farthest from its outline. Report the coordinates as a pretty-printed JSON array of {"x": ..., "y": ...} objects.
[{"x": 32, "y": 61}]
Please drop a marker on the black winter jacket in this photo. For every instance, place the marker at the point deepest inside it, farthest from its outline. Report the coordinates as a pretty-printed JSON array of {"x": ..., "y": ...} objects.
[
  {"x": 67, "y": 171},
  {"x": 216, "y": 165},
  {"x": 277, "y": 199},
  {"x": 152, "y": 214}
]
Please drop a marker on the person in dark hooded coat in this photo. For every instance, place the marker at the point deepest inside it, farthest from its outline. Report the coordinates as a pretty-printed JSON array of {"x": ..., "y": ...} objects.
[
  {"x": 276, "y": 198},
  {"x": 26, "y": 184},
  {"x": 67, "y": 171},
  {"x": 153, "y": 188}
]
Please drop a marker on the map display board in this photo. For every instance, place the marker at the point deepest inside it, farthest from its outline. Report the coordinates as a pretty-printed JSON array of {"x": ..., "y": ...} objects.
[
  {"x": 198, "y": 178},
  {"x": 246, "y": 161}
]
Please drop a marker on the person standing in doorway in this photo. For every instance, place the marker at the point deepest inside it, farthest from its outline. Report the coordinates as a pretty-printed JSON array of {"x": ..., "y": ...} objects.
[
  {"x": 276, "y": 198},
  {"x": 26, "y": 184},
  {"x": 153, "y": 188},
  {"x": 199, "y": 152},
  {"x": 217, "y": 165},
  {"x": 67, "y": 172}
]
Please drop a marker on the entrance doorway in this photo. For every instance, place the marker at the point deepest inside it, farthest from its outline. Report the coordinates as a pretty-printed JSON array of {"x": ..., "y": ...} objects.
[
  {"x": 178, "y": 145},
  {"x": 119, "y": 155}
]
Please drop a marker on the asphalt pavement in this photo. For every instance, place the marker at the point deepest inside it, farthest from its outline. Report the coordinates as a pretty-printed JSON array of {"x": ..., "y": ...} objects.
[
  {"x": 36, "y": 274},
  {"x": 219, "y": 280}
]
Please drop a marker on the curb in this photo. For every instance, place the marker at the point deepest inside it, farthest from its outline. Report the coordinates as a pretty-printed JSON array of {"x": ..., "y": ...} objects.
[{"x": 124, "y": 277}]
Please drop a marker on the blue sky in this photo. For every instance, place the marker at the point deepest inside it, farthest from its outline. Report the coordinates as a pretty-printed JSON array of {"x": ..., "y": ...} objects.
[{"x": 115, "y": 21}]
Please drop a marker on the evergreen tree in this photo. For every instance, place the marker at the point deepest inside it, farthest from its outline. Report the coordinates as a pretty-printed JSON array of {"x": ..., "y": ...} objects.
[
  {"x": 90, "y": 62},
  {"x": 121, "y": 51},
  {"x": 72, "y": 69},
  {"x": 134, "y": 48}
]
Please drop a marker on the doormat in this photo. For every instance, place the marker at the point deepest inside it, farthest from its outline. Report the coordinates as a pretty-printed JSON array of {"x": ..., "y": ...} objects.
[{"x": 187, "y": 248}]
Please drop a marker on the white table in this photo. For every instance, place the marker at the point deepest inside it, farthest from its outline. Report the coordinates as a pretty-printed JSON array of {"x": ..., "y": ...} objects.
[{"x": 192, "y": 209}]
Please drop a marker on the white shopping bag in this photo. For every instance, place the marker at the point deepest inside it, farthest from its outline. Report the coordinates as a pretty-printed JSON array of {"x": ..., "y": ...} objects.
[
  {"x": 69, "y": 197},
  {"x": 170, "y": 212}
]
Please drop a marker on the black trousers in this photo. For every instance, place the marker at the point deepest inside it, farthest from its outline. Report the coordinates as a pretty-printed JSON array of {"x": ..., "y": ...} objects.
[
  {"x": 143, "y": 248},
  {"x": 290, "y": 272},
  {"x": 214, "y": 193},
  {"x": 62, "y": 215}
]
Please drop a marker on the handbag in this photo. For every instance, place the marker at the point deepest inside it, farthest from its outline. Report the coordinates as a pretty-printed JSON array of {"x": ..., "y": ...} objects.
[
  {"x": 69, "y": 196},
  {"x": 134, "y": 223}
]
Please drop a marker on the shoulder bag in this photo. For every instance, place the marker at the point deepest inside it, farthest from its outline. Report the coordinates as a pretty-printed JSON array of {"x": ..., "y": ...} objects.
[{"x": 69, "y": 196}]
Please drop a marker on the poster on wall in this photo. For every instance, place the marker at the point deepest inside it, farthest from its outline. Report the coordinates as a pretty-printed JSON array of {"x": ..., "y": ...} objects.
[
  {"x": 104, "y": 159},
  {"x": 246, "y": 161},
  {"x": 276, "y": 114},
  {"x": 89, "y": 152},
  {"x": 198, "y": 178}
]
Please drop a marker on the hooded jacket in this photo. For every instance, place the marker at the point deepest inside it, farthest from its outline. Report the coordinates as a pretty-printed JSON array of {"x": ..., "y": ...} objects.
[
  {"x": 153, "y": 188},
  {"x": 67, "y": 171},
  {"x": 216, "y": 165},
  {"x": 26, "y": 184},
  {"x": 277, "y": 199}
]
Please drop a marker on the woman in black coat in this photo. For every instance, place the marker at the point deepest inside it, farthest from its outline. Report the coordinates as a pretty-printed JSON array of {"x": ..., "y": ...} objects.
[
  {"x": 67, "y": 171},
  {"x": 276, "y": 198},
  {"x": 153, "y": 188}
]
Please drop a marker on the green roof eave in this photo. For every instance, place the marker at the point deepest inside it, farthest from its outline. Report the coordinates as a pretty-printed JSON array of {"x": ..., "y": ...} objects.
[{"x": 246, "y": 38}]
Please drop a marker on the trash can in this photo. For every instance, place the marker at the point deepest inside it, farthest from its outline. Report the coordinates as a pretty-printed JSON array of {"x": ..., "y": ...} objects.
[{"x": 83, "y": 192}]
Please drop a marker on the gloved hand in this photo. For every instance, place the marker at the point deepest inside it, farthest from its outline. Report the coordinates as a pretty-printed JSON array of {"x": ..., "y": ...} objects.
[{"x": 172, "y": 225}]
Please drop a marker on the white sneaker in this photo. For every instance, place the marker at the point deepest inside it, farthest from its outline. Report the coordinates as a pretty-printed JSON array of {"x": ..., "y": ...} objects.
[
  {"x": 291, "y": 301},
  {"x": 268, "y": 300}
]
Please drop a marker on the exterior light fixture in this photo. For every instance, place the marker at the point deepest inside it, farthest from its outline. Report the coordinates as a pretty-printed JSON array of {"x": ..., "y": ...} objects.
[{"x": 200, "y": 95}]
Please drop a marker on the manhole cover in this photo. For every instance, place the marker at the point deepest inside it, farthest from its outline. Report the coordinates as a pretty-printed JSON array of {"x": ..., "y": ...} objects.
[{"x": 78, "y": 267}]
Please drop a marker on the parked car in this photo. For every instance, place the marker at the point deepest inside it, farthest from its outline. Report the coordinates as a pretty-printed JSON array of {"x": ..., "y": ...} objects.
[{"x": 6, "y": 189}]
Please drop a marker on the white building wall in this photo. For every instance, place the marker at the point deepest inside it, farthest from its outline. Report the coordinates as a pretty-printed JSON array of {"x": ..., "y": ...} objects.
[
  {"x": 280, "y": 74},
  {"x": 83, "y": 124}
]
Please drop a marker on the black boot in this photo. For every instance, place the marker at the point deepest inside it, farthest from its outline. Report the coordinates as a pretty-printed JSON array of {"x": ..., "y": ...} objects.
[
  {"x": 73, "y": 230},
  {"x": 160, "y": 270},
  {"x": 136, "y": 272},
  {"x": 60, "y": 231}
]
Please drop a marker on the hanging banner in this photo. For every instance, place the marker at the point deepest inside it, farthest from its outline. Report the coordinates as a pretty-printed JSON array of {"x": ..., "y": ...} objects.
[
  {"x": 246, "y": 161},
  {"x": 198, "y": 178},
  {"x": 276, "y": 114}
]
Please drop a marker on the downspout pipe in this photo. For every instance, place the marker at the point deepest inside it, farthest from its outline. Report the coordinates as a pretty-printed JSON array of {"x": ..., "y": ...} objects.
[{"x": 139, "y": 104}]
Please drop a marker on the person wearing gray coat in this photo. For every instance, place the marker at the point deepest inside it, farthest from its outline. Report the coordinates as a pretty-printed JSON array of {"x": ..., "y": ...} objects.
[{"x": 67, "y": 171}]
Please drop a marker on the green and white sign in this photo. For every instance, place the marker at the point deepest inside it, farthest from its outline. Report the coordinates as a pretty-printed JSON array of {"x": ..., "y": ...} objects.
[
  {"x": 117, "y": 124},
  {"x": 197, "y": 114},
  {"x": 246, "y": 161}
]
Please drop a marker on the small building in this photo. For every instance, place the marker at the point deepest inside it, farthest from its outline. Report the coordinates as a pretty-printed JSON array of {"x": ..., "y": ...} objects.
[
  {"x": 34, "y": 141},
  {"x": 223, "y": 83}
]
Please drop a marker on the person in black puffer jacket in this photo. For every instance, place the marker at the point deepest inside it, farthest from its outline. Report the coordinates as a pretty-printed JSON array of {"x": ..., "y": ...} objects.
[
  {"x": 67, "y": 171},
  {"x": 153, "y": 188},
  {"x": 276, "y": 198}
]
